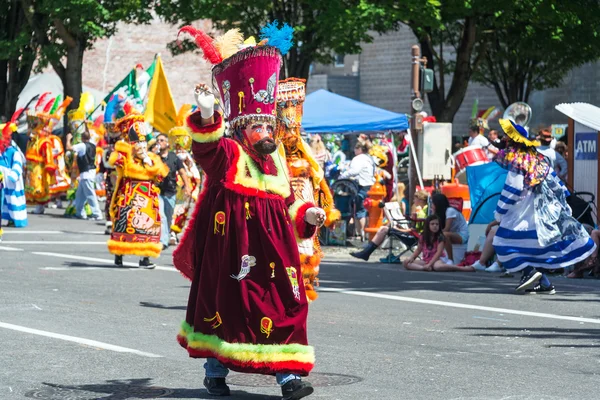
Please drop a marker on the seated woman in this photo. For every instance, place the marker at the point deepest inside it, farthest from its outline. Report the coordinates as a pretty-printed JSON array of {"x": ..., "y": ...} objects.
[
  {"x": 488, "y": 250},
  {"x": 432, "y": 244},
  {"x": 453, "y": 224},
  {"x": 420, "y": 212}
]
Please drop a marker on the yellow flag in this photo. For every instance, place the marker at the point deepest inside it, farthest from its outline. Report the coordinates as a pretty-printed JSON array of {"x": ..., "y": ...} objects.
[{"x": 160, "y": 110}]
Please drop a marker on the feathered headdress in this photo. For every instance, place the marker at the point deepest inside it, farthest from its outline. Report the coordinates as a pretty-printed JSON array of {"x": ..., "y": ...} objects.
[
  {"x": 179, "y": 135},
  {"x": 86, "y": 106},
  {"x": 280, "y": 38},
  {"x": 204, "y": 42}
]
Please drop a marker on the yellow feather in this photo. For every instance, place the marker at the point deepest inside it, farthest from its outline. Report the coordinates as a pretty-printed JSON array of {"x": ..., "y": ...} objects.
[
  {"x": 182, "y": 114},
  {"x": 487, "y": 113},
  {"x": 227, "y": 44}
]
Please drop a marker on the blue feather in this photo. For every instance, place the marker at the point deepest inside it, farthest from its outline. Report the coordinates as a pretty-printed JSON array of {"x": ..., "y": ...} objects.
[
  {"x": 112, "y": 108},
  {"x": 280, "y": 38}
]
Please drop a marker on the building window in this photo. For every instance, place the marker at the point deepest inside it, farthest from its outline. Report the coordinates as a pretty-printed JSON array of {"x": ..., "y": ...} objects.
[{"x": 339, "y": 60}]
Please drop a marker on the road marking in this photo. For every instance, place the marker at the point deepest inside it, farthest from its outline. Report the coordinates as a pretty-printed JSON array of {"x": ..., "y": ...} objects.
[
  {"x": 491, "y": 319},
  {"x": 460, "y": 305},
  {"x": 9, "y": 248},
  {"x": 50, "y": 242},
  {"x": 74, "y": 339},
  {"x": 100, "y": 260}
]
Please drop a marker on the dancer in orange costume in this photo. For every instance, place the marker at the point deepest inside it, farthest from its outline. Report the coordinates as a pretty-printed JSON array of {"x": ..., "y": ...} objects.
[{"x": 307, "y": 176}]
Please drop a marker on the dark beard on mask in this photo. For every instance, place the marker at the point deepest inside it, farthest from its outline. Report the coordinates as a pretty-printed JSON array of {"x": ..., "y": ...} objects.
[{"x": 265, "y": 146}]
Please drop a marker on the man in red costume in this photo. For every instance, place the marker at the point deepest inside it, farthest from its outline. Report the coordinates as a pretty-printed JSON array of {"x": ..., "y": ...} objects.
[{"x": 247, "y": 308}]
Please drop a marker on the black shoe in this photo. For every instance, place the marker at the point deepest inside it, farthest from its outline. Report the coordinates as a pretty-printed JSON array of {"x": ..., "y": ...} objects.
[
  {"x": 296, "y": 389},
  {"x": 216, "y": 386},
  {"x": 119, "y": 261},
  {"x": 542, "y": 290},
  {"x": 146, "y": 264},
  {"x": 165, "y": 246},
  {"x": 365, "y": 253},
  {"x": 528, "y": 281}
]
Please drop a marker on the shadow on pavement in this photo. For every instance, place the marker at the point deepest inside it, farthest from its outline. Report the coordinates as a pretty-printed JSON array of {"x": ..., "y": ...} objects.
[
  {"x": 569, "y": 335},
  {"x": 160, "y": 306},
  {"x": 130, "y": 389},
  {"x": 78, "y": 264}
]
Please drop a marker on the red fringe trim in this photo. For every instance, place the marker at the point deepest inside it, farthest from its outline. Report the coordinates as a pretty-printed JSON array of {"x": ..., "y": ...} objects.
[
  {"x": 188, "y": 231},
  {"x": 294, "y": 367},
  {"x": 193, "y": 122},
  {"x": 302, "y": 227}
]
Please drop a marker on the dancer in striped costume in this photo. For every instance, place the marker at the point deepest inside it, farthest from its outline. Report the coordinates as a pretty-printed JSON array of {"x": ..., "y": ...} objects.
[
  {"x": 537, "y": 231},
  {"x": 14, "y": 209}
]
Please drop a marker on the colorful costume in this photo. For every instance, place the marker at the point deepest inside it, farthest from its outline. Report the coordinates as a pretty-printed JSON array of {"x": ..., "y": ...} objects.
[
  {"x": 46, "y": 170},
  {"x": 14, "y": 208},
  {"x": 181, "y": 143},
  {"x": 134, "y": 206},
  {"x": 536, "y": 227},
  {"x": 113, "y": 135},
  {"x": 307, "y": 176},
  {"x": 247, "y": 306}
]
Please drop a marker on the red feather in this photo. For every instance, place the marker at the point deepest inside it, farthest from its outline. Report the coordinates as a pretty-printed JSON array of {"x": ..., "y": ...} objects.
[
  {"x": 16, "y": 115},
  {"x": 49, "y": 105},
  {"x": 41, "y": 100},
  {"x": 205, "y": 42}
]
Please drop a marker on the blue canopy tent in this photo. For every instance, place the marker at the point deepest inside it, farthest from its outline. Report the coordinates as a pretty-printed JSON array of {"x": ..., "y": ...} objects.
[
  {"x": 326, "y": 112},
  {"x": 485, "y": 184}
]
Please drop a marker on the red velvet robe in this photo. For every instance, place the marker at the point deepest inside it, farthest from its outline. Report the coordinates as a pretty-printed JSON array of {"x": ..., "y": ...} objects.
[{"x": 247, "y": 304}]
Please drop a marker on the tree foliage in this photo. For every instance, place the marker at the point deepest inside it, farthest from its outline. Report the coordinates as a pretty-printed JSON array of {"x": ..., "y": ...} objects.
[
  {"x": 18, "y": 50},
  {"x": 534, "y": 44},
  {"x": 322, "y": 28},
  {"x": 65, "y": 29}
]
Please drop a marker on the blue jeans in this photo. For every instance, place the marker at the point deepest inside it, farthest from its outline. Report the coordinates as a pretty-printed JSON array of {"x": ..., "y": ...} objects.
[
  {"x": 360, "y": 199},
  {"x": 167, "y": 207},
  {"x": 214, "y": 369},
  {"x": 86, "y": 192}
]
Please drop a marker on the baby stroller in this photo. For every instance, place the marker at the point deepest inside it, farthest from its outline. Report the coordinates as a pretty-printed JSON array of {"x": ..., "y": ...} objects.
[
  {"x": 344, "y": 194},
  {"x": 583, "y": 205}
]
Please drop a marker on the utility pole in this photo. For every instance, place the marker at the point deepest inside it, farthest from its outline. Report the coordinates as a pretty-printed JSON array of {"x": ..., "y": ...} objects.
[{"x": 416, "y": 121}]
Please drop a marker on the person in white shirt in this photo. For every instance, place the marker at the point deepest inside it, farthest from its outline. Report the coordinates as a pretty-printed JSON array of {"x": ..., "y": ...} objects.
[
  {"x": 86, "y": 161},
  {"x": 558, "y": 163},
  {"x": 453, "y": 223},
  {"x": 362, "y": 171},
  {"x": 476, "y": 139}
]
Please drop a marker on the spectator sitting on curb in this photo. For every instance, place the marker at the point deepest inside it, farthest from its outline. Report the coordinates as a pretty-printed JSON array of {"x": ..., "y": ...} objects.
[
  {"x": 432, "y": 244},
  {"x": 488, "y": 250}
]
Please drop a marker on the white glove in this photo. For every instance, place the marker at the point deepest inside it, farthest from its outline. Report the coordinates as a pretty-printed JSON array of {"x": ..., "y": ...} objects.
[
  {"x": 205, "y": 100},
  {"x": 148, "y": 161},
  {"x": 315, "y": 216}
]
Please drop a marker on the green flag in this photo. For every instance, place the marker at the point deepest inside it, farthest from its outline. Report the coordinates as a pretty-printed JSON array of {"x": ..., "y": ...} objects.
[
  {"x": 150, "y": 69},
  {"x": 128, "y": 88}
]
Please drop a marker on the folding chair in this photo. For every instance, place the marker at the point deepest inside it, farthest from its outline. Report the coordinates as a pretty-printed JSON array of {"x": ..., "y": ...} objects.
[{"x": 405, "y": 234}]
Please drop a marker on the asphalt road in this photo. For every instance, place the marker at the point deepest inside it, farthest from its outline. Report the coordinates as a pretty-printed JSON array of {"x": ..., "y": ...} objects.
[{"x": 73, "y": 326}]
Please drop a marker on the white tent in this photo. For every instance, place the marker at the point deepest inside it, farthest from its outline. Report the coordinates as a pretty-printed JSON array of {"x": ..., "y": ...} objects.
[{"x": 49, "y": 82}]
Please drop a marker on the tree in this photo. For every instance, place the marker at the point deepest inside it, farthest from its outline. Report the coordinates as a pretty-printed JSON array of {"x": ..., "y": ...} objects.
[
  {"x": 17, "y": 54},
  {"x": 450, "y": 48},
  {"x": 65, "y": 29},
  {"x": 535, "y": 44},
  {"x": 322, "y": 28}
]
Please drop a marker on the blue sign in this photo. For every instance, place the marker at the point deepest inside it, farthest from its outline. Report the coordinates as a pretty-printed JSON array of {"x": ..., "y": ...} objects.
[{"x": 586, "y": 146}]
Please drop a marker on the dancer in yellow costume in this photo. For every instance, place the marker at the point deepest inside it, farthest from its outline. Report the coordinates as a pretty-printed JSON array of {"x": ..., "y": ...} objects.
[
  {"x": 46, "y": 172},
  {"x": 180, "y": 140},
  {"x": 134, "y": 208},
  {"x": 307, "y": 176}
]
